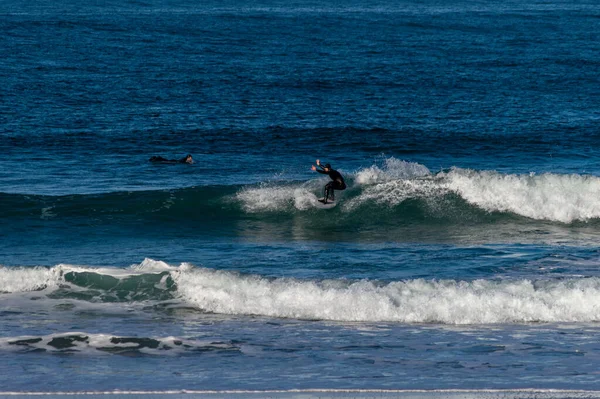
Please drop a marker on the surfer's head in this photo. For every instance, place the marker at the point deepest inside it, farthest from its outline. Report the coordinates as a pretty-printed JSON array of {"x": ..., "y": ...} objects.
[
  {"x": 328, "y": 166},
  {"x": 188, "y": 159}
]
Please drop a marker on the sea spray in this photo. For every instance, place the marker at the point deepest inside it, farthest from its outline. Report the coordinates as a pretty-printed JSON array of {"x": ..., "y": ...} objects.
[
  {"x": 267, "y": 198},
  {"x": 392, "y": 169}
]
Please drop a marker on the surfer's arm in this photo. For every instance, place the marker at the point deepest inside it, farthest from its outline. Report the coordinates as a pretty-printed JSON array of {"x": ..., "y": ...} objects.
[
  {"x": 320, "y": 166},
  {"x": 322, "y": 170}
]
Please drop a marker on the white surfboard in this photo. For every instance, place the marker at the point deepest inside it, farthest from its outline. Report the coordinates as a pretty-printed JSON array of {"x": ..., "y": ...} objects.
[{"x": 328, "y": 205}]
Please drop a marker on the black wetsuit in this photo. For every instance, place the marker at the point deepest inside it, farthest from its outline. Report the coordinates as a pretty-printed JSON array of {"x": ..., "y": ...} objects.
[
  {"x": 165, "y": 160},
  {"x": 337, "y": 183}
]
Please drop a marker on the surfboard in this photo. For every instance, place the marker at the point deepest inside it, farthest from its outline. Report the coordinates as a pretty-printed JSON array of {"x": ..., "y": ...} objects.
[{"x": 328, "y": 205}]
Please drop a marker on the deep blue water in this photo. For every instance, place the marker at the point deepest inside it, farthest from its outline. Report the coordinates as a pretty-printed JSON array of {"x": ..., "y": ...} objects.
[{"x": 463, "y": 254}]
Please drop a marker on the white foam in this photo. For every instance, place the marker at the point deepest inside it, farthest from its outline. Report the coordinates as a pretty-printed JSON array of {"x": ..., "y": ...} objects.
[
  {"x": 22, "y": 279},
  {"x": 96, "y": 344},
  {"x": 394, "y": 192},
  {"x": 394, "y": 183},
  {"x": 410, "y": 301},
  {"x": 393, "y": 169},
  {"x": 152, "y": 266},
  {"x": 272, "y": 198},
  {"x": 413, "y": 301},
  {"x": 147, "y": 266},
  {"x": 548, "y": 196},
  {"x": 563, "y": 198},
  {"x": 304, "y": 196}
]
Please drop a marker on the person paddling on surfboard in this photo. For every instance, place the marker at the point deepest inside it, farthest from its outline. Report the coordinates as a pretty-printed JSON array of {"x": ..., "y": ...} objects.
[
  {"x": 158, "y": 159},
  {"x": 337, "y": 183}
]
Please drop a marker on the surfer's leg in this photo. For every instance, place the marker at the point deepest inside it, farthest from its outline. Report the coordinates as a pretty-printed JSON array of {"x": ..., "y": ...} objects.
[
  {"x": 325, "y": 194},
  {"x": 329, "y": 192},
  {"x": 332, "y": 186}
]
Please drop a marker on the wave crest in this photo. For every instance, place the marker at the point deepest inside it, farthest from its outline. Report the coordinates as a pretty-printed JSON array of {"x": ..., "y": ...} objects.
[
  {"x": 225, "y": 292},
  {"x": 549, "y": 196},
  {"x": 561, "y": 198},
  {"x": 412, "y": 301},
  {"x": 455, "y": 195}
]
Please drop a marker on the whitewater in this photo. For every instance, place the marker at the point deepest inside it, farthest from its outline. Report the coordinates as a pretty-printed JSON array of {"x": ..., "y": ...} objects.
[
  {"x": 221, "y": 292},
  {"x": 548, "y": 196}
]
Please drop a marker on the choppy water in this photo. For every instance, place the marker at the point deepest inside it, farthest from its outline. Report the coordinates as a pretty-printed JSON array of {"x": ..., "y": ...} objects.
[{"x": 463, "y": 254}]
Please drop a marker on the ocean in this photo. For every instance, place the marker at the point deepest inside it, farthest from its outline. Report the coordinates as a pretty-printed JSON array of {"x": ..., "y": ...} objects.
[{"x": 461, "y": 261}]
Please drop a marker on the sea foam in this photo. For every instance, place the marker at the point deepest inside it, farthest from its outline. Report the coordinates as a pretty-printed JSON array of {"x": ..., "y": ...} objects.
[
  {"x": 411, "y": 301},
  {"x": 554, "y": 197},
  {"x": 27, "y": 279},
  {"x": 304, "y": 196},
  {"x": 94, "y": 344},
  {"x": 548, "y": 196},
  {"x": 274, "y": 198},
  {"x": 407, "y": 301}
]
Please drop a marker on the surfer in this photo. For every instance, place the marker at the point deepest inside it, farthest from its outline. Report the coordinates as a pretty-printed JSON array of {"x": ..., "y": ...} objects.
[
  {"x": 337, "y": 183},
  {"x": 187, "y": 159}
]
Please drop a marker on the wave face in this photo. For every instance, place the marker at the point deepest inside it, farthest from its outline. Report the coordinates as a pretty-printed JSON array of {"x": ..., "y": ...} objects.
[
  {"x": 396, "y": 186},
  {"x": 395, "y": 200},
  {"x": 223, "y": 292},
  {"x": 147, "y": 281},
  {"x": 559, "y": 198}
]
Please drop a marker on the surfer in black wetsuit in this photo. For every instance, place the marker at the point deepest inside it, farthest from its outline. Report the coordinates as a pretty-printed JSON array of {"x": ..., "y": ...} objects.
[
  {"x": 187, "y": 159},
  {"x": 337, "y": 183}
]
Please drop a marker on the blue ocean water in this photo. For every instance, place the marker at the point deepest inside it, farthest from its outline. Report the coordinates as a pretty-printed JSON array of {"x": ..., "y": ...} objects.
[{"x": 463, "y": 254}]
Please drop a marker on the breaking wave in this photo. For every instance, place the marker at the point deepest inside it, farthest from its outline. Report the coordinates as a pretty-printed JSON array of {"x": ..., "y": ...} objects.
[
  {"x": 395, "y": 191},
  {"x": 224, "y": 292},
  {"x": 396, "y": 184}
]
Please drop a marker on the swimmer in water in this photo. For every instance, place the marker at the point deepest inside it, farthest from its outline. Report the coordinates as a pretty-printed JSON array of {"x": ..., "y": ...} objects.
[{"x": 187, "y": 159}]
